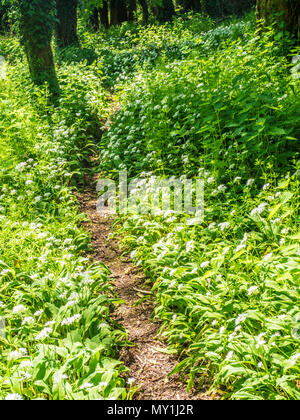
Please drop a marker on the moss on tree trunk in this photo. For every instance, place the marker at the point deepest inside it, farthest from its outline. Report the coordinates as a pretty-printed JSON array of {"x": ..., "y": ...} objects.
[
  {"x": 41, "y": 65},
  {"x": 36, "y": 27}
]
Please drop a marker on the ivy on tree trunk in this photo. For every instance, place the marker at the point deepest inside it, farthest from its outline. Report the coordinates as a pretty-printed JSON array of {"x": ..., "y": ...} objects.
[
  {"x": 36, "y": 28},
  {"x": 99, "y": 16}
]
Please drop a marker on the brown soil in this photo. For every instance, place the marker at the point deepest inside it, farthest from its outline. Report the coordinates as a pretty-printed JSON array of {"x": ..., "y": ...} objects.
[{"x": 148, "y": 366}]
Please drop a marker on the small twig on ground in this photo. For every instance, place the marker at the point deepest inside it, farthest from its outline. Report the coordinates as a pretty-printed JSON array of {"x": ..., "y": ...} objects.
[{"x": 146, "y": 292}]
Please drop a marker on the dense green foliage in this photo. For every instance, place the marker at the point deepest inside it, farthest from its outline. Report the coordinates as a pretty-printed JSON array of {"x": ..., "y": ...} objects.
[{"x": 196, "y": 100}]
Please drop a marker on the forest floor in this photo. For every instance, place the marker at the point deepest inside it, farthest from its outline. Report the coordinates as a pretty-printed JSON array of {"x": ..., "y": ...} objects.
[{"x": 147, "y": 359}]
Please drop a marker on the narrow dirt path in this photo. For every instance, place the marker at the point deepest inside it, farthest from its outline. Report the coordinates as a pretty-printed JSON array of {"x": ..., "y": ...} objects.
[{"x": 148, "y": 366}]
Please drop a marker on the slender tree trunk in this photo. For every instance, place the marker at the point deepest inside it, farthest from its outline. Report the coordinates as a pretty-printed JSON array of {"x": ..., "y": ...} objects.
[
  {"x": 4, "y": 21},
  {"x": 222, "y": 8},
  {"x": 164, "y": 11},
  {"x": 36, "y": 27},
  {"x": 94, "y": 20},
  {"x": 132, "y": 8},
  {"x": 66, "y": 27},
  {"x": 103, "y": 11},
  {"x": 118, "y": 12},
  {"x": 242, "y": 6},
  {"x": 287, "y": 11},
  {"x": 145, "y": 9},
  {"x": 190, "y": 5}
]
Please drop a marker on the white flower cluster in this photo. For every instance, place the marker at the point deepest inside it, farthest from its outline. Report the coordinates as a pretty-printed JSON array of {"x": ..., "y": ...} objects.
[
  {"x": 242, "y": 244},
  {"x": 71, "y": 320},
  {"x": 259, "y": 209}
]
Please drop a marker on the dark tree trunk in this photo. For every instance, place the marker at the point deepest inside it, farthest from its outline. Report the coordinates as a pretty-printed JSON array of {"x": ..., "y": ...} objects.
[
  {"x": 66, "y": 27},
  {"x": 188, "y": 5},
  {"x": 95, "y": 20},
  {"x": 145, "y": 9},
  {"x": 100, "y": 17},
  {"x": 4, "y": 21},
  {"x": 118, "y": 12},
  {"x": 287, "y": 11},
  {"x": 103, "y": 11},
  {"x": 222, "y": 8},
  {"x": 242, "y": 6},
  {"x": 41, "y": 64},
  {"x": 165, "y": 11},
  {"x": 132, "y": 8},
  {"x": 36, "y": 27}
]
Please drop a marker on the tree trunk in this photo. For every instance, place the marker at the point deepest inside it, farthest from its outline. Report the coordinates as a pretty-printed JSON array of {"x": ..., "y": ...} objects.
[
  {"x": 132, "y": 8},
  {"x": 242, "y": 6},
  {"x": 4, "y": 21},
  {"x": 287, "y": 11},
  {"x": 188, "y": 5},
  {"x": 165, "y": 11},
  {"x": 36, "y": 27},
  {"x": 222, "y": 8},
  {"x": 118, "y": 12},
  {"x": 66, "y": 27},
  {"x": 94, "y": 20},
  {"x": 41, "y": 64},
  {"x": 145, "y": 9},
  {"x": 103, "y": 11}
]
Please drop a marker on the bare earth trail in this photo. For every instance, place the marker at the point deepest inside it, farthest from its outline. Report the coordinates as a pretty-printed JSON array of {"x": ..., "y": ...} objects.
[{"x": 148, "y": 366}]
